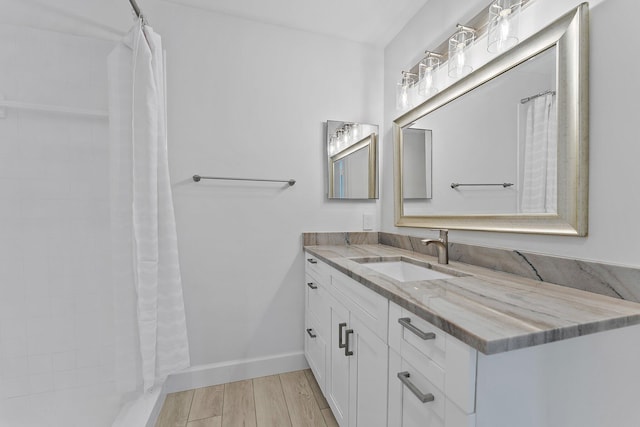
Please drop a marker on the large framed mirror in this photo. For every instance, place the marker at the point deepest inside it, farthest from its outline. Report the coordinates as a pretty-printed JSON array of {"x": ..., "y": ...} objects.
[
  {"x": 352, "y": 160},
  {"x": 509, "y": 141}
]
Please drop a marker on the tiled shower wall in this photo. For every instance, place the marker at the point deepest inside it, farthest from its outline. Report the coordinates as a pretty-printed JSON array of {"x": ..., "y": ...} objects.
[{"x": 56, "y": 305}]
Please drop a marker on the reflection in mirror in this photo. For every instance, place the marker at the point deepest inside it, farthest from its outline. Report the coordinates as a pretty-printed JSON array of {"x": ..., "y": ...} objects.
[
  {"x": 503, "y": 132},
  {"x": 352, "y": 160},
  {"x": 509, "y": 141},
  {"x": 417, "y": 164}
]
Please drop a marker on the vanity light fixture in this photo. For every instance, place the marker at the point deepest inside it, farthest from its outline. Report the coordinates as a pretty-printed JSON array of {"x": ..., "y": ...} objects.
[
  {"x": 404, "y": 95},
  {"x": 504, "y": 17},
  {"x": 500, "y": 22},
  {"x": 344, "y": 136},
  {"x": 458, "y": 42},
  {"x": 428, "y": 84}
]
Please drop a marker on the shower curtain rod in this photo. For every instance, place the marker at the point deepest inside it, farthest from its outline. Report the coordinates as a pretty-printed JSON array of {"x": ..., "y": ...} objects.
[
  {"x": 136, "y": 9},
  {"x": 538, "y": 95}
]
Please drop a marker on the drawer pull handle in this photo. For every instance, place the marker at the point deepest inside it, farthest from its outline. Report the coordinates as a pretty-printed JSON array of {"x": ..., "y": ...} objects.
[
  {"x": 312, "y": 261},
  {"x": 347, "y": 352},
  {"x": 312, "y": 285},
  {"x": 424, "y": 398},
  {"x": 341, "y": 326},
  {"x": 311, "y": 334},
  {"x": 406, "y": 322}
]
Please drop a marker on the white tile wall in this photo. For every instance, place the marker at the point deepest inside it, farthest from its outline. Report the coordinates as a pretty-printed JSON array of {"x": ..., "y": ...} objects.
[{"x": 56, "y": 308}]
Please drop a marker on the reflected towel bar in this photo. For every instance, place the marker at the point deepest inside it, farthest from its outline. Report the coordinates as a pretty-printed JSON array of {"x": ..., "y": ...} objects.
[
  {"x": 504, "y": 184},
  {"x": 197, "y": 178}
]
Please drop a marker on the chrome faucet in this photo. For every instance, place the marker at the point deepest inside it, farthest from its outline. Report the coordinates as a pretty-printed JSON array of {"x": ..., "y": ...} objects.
[{"x": 442, "y": 244}]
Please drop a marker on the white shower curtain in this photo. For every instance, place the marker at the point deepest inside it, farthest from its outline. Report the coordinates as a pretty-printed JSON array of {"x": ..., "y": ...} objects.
[
  {"x": 150, "y": 326},
  {"x": 540, "y": 176}
]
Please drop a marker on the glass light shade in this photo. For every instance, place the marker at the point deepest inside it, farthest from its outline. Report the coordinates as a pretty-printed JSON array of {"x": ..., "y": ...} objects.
[
  {"x": 404, "y": 91},
  {"x": 355, "y": 132},
  {"x": 428, "y": 84},
  {"x": 341, "y": 143},
  {"x": 504, "y": 17},
  {"x": 347, "y": 134},
  {"x": 333, "y": 145},
  {"x": 458, "y": 63}
]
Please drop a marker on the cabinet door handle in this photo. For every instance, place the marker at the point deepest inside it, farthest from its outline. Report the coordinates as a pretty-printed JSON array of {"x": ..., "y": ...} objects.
[
  {"x": 406, "y": 322},
  {"x": 312, "y": 285},
  {"x": 311, "y": 334},
  {"x": 424, "y": 398},
  {"x": 312, "y": 261},
  {"x": 341, "y": 326},
  {"x": 347, "y": 352}
]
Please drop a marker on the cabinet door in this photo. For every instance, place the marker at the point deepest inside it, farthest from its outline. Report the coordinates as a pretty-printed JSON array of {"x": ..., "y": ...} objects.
[
  {"x": 337, "y": 381},
  {"x": 368, "y": 376}
]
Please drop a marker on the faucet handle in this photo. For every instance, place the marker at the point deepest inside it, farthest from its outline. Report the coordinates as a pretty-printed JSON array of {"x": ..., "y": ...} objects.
[{"x": 444, "y": 235}]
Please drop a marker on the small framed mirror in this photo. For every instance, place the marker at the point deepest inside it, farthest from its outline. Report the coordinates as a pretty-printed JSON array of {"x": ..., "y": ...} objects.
[
  {"x": 417, "y": 167},
  {"x": 352, "y": 160},
  {"x": 509, "y": 141}
]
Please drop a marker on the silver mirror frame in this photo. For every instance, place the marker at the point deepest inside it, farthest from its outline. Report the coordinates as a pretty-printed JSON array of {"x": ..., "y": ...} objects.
[{"x": 570, "y": 34}]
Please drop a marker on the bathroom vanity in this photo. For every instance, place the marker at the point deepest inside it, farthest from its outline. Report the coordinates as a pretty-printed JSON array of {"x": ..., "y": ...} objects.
[{"x": 395, "y": 339}]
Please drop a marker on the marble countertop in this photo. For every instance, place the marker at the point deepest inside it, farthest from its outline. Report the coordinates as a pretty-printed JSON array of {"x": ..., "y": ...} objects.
[{"x": 491, "y": 311}]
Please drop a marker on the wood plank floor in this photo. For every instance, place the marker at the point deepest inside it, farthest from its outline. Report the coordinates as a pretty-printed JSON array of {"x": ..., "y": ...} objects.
[{"x": 293, "y": 399}]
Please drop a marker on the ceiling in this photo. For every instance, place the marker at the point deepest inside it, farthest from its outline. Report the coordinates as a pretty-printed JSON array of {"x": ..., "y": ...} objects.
[{"x": 374, "y": 22}]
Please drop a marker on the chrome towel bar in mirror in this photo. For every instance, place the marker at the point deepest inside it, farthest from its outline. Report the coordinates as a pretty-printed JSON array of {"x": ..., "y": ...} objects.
[{"x": 503, "y": 184}]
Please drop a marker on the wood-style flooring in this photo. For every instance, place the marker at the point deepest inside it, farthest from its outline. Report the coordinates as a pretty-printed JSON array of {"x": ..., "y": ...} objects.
[{"x": 286, "y": 400}]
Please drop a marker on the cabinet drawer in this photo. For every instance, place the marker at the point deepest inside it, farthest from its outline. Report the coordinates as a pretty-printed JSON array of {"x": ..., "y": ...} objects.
[
  {"x": 448, "y": 363},
  {"x": 315, "y": 349},
  {"x": 316, "y": 268},
  {"x": 316, "y": 301},
  {"x": 367, "y": 305},
  {"x": 408, "y": 330},
  {"x": 407, "y": 409}
]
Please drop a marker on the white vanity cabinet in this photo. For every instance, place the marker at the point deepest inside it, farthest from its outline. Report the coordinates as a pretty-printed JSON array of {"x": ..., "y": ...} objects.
[
  {"x": 380, "y": 365},
  {"x": 354, "y": 377}
]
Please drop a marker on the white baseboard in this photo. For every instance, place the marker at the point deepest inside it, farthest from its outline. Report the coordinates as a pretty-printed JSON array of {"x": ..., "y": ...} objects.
[
  {"x": 155, "y": 412},
  {"x": 142, "y": 411},
  {"x": 234, "y": 370}
]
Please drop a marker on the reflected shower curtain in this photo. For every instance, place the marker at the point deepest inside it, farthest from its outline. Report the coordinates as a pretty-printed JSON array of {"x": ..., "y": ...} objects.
[
  {"x": 150, "y": 323},
  {"x": 540, "y": 177}
]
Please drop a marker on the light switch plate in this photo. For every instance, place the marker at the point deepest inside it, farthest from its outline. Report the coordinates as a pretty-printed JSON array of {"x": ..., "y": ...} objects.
[{"x": 367, "y": 222}]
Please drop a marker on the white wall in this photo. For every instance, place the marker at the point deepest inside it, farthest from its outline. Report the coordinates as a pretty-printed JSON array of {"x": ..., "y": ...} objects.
[
  {"x": 614, "y": 231},
  {"x": 56, "y": 304},
  {"x": 246, "y": 100},
  {"x": 249, "y": 100}
]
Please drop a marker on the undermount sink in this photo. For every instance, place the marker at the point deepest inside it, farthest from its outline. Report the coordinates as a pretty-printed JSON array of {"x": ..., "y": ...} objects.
[{"x": 404, "y": 271}]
